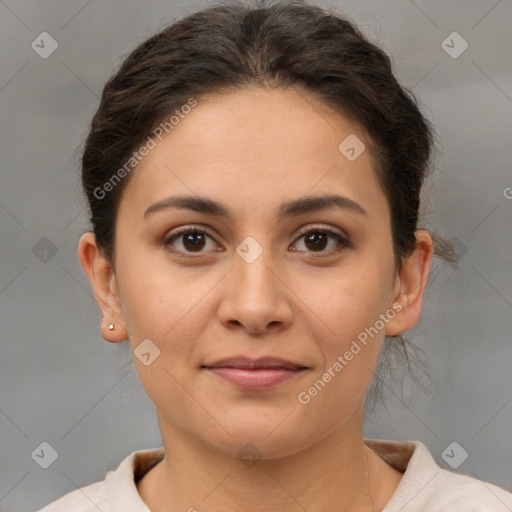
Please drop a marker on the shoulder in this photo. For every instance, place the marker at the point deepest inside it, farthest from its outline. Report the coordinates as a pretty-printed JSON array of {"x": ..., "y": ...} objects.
[
  {"x": 427, "y": 487},
  {"x": 457, "y": 492},
  {"x": 90, "y": 498},
  {"x": 117, "y": 492}
]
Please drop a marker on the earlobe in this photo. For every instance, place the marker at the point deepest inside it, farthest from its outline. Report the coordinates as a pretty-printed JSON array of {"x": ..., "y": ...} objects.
[
  {"x": 102, "y": 279},
  {"x": 412, "y": 280},
  {"x": 394, "y": 326}
]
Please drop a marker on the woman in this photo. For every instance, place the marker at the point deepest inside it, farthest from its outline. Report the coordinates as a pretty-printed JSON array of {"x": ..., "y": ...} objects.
[{"x": 254, "y": 178}]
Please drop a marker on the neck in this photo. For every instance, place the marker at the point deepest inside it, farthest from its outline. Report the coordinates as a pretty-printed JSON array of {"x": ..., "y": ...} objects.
[{"x": 337, "y": 473}]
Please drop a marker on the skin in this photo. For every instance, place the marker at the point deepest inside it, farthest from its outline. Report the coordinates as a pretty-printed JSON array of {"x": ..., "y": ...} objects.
[{"x": 253, "y": 150}]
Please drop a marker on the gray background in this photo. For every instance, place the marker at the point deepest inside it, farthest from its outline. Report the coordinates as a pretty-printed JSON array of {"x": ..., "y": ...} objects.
[{"x": 61, "y": 383}]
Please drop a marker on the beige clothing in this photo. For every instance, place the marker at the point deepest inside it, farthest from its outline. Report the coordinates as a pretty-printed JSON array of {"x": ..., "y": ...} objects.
[{"x": 425, "y": 487}]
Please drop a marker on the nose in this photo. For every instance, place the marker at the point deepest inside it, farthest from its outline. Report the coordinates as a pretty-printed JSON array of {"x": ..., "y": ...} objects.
[{"x": 256, "y": 296}]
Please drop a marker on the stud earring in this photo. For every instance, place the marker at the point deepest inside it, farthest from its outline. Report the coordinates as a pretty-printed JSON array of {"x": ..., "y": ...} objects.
[{"x": 111, "y": 327}]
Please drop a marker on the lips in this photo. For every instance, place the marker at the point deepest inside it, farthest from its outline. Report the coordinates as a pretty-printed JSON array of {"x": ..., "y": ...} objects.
[
  {"x": 255, "y": 374},
  {"x": 256, "y": 364}
]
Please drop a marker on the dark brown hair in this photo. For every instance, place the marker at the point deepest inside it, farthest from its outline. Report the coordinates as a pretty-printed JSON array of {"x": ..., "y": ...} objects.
[{"x": 231, "y": 46}]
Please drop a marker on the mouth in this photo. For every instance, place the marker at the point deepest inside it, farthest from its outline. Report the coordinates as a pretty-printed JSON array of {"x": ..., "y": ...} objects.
[{"x": 259, "y": 373}]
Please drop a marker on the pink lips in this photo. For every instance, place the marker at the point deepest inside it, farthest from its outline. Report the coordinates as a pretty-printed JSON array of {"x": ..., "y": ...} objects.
[{"x": 259, "y": 373}]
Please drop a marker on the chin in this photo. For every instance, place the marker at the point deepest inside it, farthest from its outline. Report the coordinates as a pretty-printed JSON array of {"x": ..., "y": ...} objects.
[
  {"x": 258, "y": 439},
  {"x": 249, "y": 449}
]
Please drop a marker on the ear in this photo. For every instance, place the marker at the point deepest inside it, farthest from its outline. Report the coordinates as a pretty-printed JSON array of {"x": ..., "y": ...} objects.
[
  {"x": 410, "y": 285},
  {"x": 103, "y": 280}
]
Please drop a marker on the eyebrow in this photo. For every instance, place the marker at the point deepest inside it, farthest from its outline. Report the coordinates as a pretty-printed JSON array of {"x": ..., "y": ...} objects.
[{"x": 289, "y": 209}]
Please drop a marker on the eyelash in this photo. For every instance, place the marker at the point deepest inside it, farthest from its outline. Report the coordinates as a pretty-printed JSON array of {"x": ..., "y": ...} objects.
[{"x": 342, "y": 241}]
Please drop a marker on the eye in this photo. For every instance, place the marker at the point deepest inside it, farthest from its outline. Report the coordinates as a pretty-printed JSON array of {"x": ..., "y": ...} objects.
[
  {"x": 192, "y": 240},
  {"x": 316, "y": 239}
]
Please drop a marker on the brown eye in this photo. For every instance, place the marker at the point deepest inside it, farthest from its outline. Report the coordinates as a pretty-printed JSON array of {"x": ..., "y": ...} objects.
[
  {"x": 191, "y": 240},
  {"x": 316, "y": 240}
]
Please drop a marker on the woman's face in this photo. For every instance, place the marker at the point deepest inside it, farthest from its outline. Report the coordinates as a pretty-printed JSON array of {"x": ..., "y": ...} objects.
[{"x": 252, "y": 284}]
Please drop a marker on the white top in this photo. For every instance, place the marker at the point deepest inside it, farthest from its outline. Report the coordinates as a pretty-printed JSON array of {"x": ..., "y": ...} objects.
[{"x": 425, "y": 487}]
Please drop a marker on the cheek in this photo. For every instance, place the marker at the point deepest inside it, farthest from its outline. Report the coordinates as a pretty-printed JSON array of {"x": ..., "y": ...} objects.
[
  {"x": 158, "y": 299},
  {"x": 167, "y": 307},
  {"x": 349, "y": 351},
  {"x": 343, "y": 302},
  {"x": 344, "y": 321}
]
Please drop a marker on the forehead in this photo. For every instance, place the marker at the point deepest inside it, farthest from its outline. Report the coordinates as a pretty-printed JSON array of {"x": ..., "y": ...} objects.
[{"x": 258, "y": 147}]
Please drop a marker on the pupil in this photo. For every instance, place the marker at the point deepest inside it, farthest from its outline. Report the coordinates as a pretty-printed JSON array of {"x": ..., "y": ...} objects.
[
  {"x": 195, "y": 239},
  {"x": 317, "y": 239}
]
